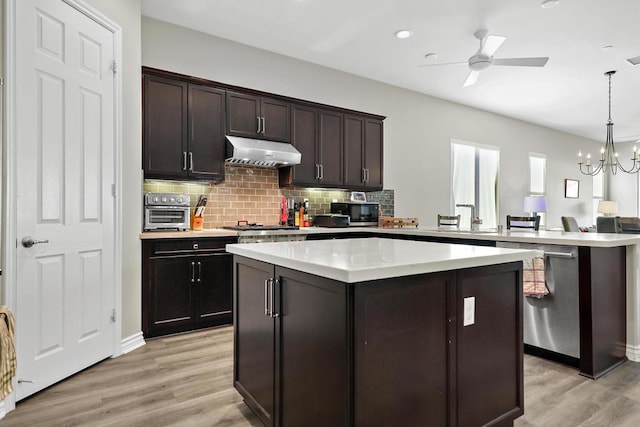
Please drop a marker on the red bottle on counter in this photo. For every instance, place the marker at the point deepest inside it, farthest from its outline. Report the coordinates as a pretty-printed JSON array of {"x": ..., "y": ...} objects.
[{"x": 284, "y": 212}]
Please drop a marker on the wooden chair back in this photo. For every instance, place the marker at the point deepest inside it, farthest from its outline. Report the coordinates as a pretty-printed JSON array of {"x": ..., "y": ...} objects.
[
  {"x": 530, "y": 222},
  {"x": 449, "y": 220}
]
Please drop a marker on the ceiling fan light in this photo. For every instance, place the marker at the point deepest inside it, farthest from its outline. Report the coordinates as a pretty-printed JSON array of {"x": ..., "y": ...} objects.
[
  {"x": 549, "y": 3},
  {"x": 403, "y": 34}
]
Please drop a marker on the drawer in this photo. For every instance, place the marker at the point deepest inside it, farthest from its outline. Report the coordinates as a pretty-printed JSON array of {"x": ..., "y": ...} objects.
[{"x": 190, "y": 246}]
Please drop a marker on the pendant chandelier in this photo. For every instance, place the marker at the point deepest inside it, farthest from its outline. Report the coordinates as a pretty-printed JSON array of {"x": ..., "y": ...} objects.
[{"x": 608, "y": 156}]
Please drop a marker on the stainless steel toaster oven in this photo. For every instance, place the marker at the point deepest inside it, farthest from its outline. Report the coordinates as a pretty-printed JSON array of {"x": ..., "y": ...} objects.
[{"x": 166, "y": 211}]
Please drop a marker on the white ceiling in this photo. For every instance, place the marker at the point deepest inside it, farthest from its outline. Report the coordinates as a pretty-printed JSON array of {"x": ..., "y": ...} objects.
[{"x": 357, "y": 36}]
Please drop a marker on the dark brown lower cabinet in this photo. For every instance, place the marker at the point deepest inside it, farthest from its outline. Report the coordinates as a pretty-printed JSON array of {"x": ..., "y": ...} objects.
[
  {"x": 187, "y": 285},
  {"x": 316, "y": 352},
  {"x": 299, "y": 350}
]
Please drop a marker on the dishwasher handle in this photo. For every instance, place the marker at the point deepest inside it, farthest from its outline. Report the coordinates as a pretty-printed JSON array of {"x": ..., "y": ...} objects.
[{"x": 559, "y": 254}]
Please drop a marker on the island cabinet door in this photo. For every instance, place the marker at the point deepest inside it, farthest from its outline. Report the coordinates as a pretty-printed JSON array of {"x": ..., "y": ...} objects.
[
  {"x": 312, "y": 369},
  {"x": 254, "y": 338},
  {"x": 400, "y": 351},
  {"x": 489, "y": 385}
]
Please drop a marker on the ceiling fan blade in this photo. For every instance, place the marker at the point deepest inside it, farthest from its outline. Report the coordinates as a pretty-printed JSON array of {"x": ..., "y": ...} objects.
[
  {"x": 491, "y": 44},
  {"x": 634, "y": 61},
  {"x": 521, "y": 62},
  {"x": 442, "y": 63},
  {"x": 471, "y": 78}
]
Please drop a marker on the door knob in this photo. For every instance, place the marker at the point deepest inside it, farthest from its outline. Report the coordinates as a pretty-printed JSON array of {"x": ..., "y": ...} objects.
[{"x": 28, "y": 241}]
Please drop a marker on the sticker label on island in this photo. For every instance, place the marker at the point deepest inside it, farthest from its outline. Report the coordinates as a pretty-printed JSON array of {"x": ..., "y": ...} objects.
[{"x": 469, "y": 311}]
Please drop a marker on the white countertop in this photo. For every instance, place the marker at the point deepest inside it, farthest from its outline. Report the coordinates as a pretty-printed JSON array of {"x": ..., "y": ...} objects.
[
  {"x": 358, "y": 260},
  {"x": 606, "y": 240}
]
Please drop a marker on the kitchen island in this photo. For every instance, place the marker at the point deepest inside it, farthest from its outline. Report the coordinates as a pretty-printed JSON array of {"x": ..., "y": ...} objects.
[{"x": 378, "y": 332}]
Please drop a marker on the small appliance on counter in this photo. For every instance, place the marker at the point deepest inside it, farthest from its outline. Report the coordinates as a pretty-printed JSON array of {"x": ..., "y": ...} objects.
[
  {"x": 331, "y": 220},
  {"x": 361, "y": 214},
  {"x": 166, "y": 211}
]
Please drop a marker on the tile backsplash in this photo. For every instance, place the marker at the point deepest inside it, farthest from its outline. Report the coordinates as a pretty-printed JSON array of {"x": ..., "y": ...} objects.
[{"x": 253, "y": 194}]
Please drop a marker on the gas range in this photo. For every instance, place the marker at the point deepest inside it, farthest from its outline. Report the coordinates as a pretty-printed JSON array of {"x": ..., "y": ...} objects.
[{"x": 259, "y": 233}]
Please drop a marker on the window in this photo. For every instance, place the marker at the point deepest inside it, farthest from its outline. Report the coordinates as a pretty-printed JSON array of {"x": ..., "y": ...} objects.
[
  {"x": 598, "y": 193},
  {"x": 474, "y": 180},
  {"x": 538, "y": 179}
]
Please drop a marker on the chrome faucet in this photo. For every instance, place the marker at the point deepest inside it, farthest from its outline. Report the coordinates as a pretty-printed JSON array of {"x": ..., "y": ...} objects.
[{"x": 475, "y": 222}]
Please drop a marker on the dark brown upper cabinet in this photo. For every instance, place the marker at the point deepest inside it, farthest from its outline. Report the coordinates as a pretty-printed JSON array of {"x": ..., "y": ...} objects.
[
  {"x": 183, "y": 135},
  {"x": 186, "y": 119},
  {"x": 317, "y": 134},
  {"x": 258, "y": 117},
  {"x": 363, "y": 152}
]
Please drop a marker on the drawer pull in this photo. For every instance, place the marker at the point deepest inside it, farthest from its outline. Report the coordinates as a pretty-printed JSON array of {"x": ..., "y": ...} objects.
[{"x": 266, "y": 297}]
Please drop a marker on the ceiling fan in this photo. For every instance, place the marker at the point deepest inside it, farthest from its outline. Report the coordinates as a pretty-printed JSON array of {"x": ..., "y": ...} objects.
[{"x": 483, "y": 58}]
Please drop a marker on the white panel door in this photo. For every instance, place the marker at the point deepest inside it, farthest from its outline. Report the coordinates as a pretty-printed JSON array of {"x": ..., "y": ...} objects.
[{"x": 64, "y": 175}]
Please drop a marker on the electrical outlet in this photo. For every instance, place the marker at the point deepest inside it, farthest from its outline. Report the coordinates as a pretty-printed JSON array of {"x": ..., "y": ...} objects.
[{"x": 469, "y": 311}]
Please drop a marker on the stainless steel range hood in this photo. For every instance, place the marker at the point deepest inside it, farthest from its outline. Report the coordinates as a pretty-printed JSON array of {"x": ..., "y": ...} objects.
[{"x": 258, "y": 152}]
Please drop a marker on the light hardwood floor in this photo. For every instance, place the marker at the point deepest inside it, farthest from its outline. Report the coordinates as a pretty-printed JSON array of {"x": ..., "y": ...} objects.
[{"x": 185, "y": 380}]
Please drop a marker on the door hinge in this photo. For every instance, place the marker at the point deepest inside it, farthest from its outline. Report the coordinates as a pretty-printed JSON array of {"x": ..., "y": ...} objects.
[
  {"x": 114, "y": 66},
  {"x": 113, "y": 190},
  {"x": 113, "y": 316}
]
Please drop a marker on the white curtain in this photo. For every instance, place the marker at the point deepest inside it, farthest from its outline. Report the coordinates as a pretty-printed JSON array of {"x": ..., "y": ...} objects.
[
  {"x": 488, "y": 184},
  {"x": 464, "y": 175},
  {"x": 463, "y": 182}
]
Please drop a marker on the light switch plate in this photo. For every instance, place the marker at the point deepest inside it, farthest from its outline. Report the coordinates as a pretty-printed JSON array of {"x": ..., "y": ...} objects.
[{"x": 469, "y": 311}]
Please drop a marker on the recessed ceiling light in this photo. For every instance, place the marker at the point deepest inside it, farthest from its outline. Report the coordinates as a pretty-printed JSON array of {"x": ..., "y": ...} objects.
[
  {"x": 607, "y": 47},
  {"x": 431, "y": 55},
  {"x": 403, "y": 34},
  {"x": 549, "y": 3}
]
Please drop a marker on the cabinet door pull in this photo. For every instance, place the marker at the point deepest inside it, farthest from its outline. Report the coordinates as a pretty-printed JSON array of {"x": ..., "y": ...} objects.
[
  {"x": 184, "y": 160},
  {"x": 193, "y": 271},
  {"x": 321, "y": 171},
  {"x": 266, "y": 297},
  {"x": 190, "y": 161},
  {"x": 258, "y": 118},
  {"x": 274, "y": 312},
  {"x": 199, "y": 271},
  {"x": 364, "y": 175},
  {"x": 367, "y": 171},
  {"x": 264, "y": 125},
  {"x": 317, "y": 171}
]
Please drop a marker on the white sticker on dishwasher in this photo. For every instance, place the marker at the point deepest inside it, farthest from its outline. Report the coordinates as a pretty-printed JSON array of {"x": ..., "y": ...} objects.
[{"x": 469, "y": 311}]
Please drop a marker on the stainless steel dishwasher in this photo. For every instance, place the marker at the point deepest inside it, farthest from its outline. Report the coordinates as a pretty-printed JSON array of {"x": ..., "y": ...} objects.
[{"x": 552, "y": 323}]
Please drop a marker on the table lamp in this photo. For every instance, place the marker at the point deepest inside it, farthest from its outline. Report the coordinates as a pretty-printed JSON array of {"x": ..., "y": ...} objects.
[
  {"x": 535, "y": 204},
  {"x": 607, "y": 207}
]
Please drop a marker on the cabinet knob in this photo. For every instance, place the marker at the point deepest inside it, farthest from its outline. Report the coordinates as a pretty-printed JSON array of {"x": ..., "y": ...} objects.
[{"x": 195, "y": 246}]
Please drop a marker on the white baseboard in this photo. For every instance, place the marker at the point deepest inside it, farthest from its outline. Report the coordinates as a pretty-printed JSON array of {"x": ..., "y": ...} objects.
[
  {"x": 633, "y": 353},
  {"x": 3, "y": 409},
  {"x": 132, "y": 342}
]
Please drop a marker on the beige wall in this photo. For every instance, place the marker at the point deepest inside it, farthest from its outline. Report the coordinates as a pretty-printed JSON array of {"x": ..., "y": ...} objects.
[
  {"x": 418, "y": 128},
  {"x": 126, "y": 13}
]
